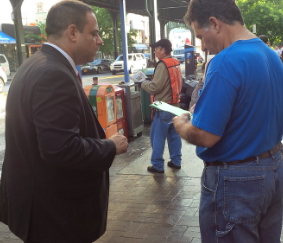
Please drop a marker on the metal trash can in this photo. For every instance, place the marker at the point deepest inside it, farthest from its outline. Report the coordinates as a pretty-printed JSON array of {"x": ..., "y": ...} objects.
[
  {"x": 133, "y": 108},
  {"x": 145, "y": 97}
]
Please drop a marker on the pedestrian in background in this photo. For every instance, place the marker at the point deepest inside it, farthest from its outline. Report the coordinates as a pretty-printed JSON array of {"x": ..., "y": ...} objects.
[
  {"x": 277, "y": 51},
  {"x": 55, "y": 177},
  {"x": 199, "y": 86},
  {"x": 165, "y": 86},
  {"x": 237, "y": 127},
  {"x": 264, "y": 38},
  {"x": 281, "y": 51}
]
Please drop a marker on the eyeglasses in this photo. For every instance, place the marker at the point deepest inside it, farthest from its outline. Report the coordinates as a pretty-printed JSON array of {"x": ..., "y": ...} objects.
[{"x": 158, "y": 48}]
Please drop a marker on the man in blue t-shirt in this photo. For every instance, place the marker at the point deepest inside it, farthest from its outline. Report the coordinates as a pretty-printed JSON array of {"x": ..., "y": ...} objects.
[{"x": 237, "y": 127}]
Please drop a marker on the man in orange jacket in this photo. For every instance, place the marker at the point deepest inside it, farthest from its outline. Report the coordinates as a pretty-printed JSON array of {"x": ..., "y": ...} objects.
[{"x": 165, "y": 86}]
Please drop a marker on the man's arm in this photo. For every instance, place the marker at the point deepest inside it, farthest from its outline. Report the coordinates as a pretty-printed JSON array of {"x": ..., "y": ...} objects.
[
  {"x": 192, "y": 134},
  {"x": 57, "y": 112},
  {"x": 158, "y": 83}
]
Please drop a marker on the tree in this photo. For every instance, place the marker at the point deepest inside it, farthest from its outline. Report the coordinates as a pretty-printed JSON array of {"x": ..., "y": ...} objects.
[
  {"x": 106, "y": 32},
  {"x": 266, "y": 14},
  {"x": 42, "y": 37}
]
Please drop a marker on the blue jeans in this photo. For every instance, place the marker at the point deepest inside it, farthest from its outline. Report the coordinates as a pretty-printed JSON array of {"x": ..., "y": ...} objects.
[
  {"x": 242, "y": 203},
  {"x": 162, "y": 128}
]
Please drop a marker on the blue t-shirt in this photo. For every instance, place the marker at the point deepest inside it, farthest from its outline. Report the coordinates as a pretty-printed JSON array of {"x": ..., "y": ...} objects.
[{"x": 241, "y": 101}]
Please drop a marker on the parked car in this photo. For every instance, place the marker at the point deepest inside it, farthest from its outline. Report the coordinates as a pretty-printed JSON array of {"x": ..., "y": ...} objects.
[
  {"x": 5, "y": 64},
  {"x": 179, "y": 54},
  {"x": 3, "y": 79},
  {"x": 136, "y": 61},
  {"x": 97, "y": 66},
  {"x": 147, "y": 56}
]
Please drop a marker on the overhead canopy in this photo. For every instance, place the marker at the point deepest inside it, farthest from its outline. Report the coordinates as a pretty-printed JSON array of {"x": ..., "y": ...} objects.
[
  {"x": 6, "y": 39},
  {"x": 168, "y": 10},
  {"x": 140, "y": 46},
  {"x": 28, "y": 32}
]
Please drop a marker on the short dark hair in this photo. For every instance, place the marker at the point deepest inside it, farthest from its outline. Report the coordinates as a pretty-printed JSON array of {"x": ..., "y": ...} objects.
[
  {"x": 200, "y": 11},
  {"x": 264, "y": 38},
  {"x": 164, "y": 43},
  {"x": 65, "y": 13}
]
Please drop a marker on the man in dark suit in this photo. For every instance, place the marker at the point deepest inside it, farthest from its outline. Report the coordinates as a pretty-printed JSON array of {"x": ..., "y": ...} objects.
[{"x": 55, "y": 178}]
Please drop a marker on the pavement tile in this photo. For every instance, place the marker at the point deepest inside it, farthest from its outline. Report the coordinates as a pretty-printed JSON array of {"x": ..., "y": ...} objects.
[
  {"x": 110, "y": 236},
  {"x": 173, "y": 219},
  {"x": 196, "y": 240},
  {"x": 179, "y": 239},
  {"x": 146, "y": 227},
  {"x": 148, "y": 208},
  {"x": 151, "y": 239},
  {"x": 193, "y": 234},
  {"x": 134, "y": 235}
]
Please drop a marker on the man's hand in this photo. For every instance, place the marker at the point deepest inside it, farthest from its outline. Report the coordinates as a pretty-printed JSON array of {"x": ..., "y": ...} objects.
[
  {"x": 180, "y": 121},
  {"x": 120, "y": 142}
]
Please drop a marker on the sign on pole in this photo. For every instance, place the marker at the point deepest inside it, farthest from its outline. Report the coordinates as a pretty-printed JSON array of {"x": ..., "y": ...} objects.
[{"x": 254, "y": 28}]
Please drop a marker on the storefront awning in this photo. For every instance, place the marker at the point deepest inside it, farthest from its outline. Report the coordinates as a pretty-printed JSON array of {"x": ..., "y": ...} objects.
[
  {"x": 6, "y": 39},
  {"x": 140, "y": 46}
]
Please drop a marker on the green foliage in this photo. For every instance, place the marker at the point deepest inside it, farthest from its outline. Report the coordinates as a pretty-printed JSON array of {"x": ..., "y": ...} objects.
[
  {"x": 42, "y": 37},
  {"x": 105, "y": 29},
  {"x": 266, "y": 14},
  {"x": 42, "y": 26},
  {"x": 106, "y": 32}
]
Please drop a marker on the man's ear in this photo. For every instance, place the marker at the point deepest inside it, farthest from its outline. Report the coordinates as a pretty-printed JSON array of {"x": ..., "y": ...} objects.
[
  {"x": 72, "y": 32},
  {"x": 214, "y": 24}
]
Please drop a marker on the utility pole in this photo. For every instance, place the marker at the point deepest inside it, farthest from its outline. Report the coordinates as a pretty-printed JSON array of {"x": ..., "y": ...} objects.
[{"x": 19, "y": 30}]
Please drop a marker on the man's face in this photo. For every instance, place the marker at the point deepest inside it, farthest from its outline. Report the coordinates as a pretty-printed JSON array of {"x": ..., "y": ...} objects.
[
  {"x": 159, "y": 52},
  {"x": 88, "y": 41},
  {"x": 208, "y": 38}
]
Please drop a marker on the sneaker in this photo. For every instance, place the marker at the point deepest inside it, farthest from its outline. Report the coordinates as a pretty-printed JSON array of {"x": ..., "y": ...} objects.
[
  {"x": 170, "y": 164},
  {"x": 151, "y": 169}
]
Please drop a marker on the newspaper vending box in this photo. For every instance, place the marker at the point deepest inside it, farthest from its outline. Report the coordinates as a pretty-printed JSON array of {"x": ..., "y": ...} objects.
[
  {"x": 103, "y": 101},
  {"x": 121, "y": 111}
]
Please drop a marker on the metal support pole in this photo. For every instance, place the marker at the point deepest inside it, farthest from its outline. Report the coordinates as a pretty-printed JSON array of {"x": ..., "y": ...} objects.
[
  {"x": 19, "y": 31},
  {"x": 122, "y": 4},
  {"x": 115, "y": 32},
  {"x": 162, "y": 28},
  {"x": 193, "y": 39},
  {"x": 152, "y": 29}
]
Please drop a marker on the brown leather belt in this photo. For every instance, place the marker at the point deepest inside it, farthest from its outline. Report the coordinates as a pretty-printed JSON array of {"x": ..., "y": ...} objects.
[{"x": 266, "y": 154}]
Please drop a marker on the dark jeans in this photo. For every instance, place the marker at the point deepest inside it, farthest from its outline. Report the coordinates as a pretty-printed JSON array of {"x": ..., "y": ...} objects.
[
  {"x": 242, "y": 203},
  {"x": 162, "y": 129}
]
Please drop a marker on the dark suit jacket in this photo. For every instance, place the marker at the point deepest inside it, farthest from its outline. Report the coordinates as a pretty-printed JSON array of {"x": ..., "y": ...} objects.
[{"x": 55, "y": 180}]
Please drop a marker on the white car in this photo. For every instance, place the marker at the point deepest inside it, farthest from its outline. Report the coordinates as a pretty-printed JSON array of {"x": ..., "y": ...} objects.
[
  {"x": 136, "y": 61},
  {"x": 179, "y": 54},
  {"x": 3, "y": 79},
  {"x": 5, "y": 64}
]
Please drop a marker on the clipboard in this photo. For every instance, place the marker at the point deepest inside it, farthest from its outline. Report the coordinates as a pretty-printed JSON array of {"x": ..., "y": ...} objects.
[{"x": 169, "y": 108}]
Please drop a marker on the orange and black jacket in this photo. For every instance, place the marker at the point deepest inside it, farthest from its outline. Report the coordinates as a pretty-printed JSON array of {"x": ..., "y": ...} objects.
[{"x": 175, "y": 75}]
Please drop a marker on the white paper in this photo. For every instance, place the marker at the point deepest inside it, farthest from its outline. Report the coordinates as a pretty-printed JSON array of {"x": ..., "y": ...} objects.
[{"x": 138, "y": 77}]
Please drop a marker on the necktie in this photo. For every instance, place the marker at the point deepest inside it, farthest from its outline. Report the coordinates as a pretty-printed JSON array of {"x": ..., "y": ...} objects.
[{"x": 80, "y": 80}]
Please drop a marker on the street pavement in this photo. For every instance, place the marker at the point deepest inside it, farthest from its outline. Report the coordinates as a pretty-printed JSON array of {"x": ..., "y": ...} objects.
[{"x": 145, "y": 207}]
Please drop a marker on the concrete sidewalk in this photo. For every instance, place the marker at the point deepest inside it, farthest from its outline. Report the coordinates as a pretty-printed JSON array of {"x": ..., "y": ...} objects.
[{"x": 145, "y": 207}]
